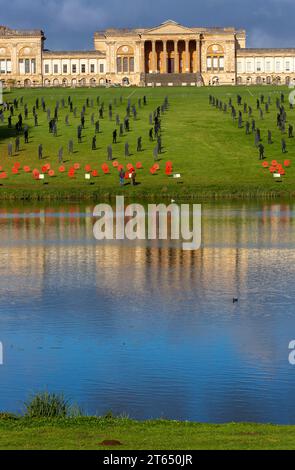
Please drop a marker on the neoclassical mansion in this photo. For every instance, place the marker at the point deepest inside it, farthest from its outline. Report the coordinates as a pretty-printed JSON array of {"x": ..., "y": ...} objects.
[{"x": 168, "y": 54}]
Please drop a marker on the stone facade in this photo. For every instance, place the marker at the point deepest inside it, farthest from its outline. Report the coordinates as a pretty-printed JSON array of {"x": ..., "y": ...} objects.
[{"x": 169, "y": 54}]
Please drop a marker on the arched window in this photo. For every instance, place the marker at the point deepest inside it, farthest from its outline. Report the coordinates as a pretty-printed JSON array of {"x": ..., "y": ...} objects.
[
  {"x": 125, "y": 59},
  {"x": 27, "y": 60},
  {"x": 239, "y": 80},
  {"x": 215, "y": 58},
  {"x": 125, "y": 81}
]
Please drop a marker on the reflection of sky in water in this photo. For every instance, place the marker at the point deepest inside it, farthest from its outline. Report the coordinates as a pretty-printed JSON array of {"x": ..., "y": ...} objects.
[{"x": 151, "y": 330}]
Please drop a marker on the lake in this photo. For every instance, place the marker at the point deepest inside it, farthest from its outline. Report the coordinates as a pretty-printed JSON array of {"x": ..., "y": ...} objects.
[{"x": 145, "y": 328}]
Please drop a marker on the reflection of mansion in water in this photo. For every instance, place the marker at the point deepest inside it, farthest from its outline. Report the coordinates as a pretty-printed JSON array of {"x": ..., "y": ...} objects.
[
  {"x": 58, "y": 241},
  {"x": 168, "y": 54}
]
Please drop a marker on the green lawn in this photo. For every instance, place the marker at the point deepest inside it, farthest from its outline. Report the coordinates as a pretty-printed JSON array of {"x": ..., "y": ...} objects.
[
  {"x": 89, "y": 433},
  {"x": 214, "y": 157}
]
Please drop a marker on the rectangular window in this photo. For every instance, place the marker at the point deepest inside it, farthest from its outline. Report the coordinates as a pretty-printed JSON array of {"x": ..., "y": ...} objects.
[
  {"x": 3, "y": 66},
  {"x": 258, "y": 67},
  {"x": 268, "y": 66},
  {"x": 209, "y": 63},
  {"x": 239, "y": 67},
  {"x": 55, "y": 68},
  {"x": 278, "y": 66},
  {"x": 249, "y": 67},
  {"x": 83, "y": 68},
  {"x": 215, "y": 63},
  {"x": 8, "y": 66},
  {"x": 131, "y": 64},
  {"x": 125, "y": 64},
  {"x": 288, "y": 68},
  {"x": 101, "y": 68},
  {"x": 27, "y": 66},
  {"x": 221, "y": 63},
  {"x": 65, "y": 68},
  {"x": 46, "y": 68},
  {"x": 92, "y": 68},
  {"x": 119, "y": 64},
  {"x": 74, "y": 68},
  {"x": 33, "y": 66},
  {"x": 21, "y": 66}
]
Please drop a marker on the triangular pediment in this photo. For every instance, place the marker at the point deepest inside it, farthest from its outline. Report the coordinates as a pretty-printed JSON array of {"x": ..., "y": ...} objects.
[{"x": 169, "y": 27}]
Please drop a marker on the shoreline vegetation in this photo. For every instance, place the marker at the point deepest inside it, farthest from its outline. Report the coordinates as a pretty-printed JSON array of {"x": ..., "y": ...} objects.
[
  {"x": 51, "y": 422},
  {"x": 97, "y": 194},
  {"x": 212, "y": 152}
]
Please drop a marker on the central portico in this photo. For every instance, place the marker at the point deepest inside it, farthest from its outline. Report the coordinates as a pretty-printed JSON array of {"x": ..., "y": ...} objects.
[
  {"x": 170, "y": 54},
  {"x": 171, "y": 48}
]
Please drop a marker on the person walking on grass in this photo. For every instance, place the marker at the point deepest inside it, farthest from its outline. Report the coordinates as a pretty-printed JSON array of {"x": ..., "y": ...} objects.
[
  {"x": 122, "y": 177},
  {"x": 40, "y": 152},
  {"x": 261, "y": 152},
  {"x": 133, "y": 178}
]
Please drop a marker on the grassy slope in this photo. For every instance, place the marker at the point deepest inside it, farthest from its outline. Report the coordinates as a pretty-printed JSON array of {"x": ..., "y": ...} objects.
[
  {"x": 88, "y": 433},
  {"x": 211, "y": 153}
]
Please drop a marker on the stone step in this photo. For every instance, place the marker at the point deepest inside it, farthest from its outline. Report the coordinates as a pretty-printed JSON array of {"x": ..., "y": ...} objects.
[{"x": 172, "y": 79}]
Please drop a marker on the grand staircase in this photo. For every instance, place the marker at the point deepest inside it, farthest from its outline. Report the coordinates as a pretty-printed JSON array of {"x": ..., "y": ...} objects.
[{"x": 172, "y": 79}]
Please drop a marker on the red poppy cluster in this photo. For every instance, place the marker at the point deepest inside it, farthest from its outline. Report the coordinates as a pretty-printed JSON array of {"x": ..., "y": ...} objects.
[
  {"x": 46, "y": 169},
  {"x": 276, "y": 167}
]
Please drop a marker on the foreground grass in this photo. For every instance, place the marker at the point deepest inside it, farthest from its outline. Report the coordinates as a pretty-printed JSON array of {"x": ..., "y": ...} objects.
[
  {"x": 90, "y": 432},
  {"x": 214, "y": 157}
]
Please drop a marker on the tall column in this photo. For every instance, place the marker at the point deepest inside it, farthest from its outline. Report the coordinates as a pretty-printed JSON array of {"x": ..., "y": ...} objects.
[
  {"x": 14, "y": 61},
  {"x": 187, "y": 61},
  {"x": 154, "y": 64},
  {"x": 164, "y": 56},
  {"x": 176, "y": 57},
  {"x": 140, "y": 58},
  {"x": 198, "y": 49}
]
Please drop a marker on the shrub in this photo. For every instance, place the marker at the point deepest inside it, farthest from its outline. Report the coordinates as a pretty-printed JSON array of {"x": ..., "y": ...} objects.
[
  {"x": 47, "y": 405},
  {"x": 7, "y": 416}
]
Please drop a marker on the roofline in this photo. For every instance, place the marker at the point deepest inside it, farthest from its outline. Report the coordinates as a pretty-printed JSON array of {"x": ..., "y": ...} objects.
[
  {"x": 8, "y": 32},
  {"x": 92, "y": 52},
  {"x": 265, "y": 50}
]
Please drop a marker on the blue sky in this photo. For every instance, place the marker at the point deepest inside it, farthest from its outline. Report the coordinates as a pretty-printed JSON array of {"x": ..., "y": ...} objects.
[{"x": 69, "y": 24}]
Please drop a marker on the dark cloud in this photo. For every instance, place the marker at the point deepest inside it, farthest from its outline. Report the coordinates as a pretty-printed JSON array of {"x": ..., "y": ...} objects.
[{"x": 69, "y": 24}]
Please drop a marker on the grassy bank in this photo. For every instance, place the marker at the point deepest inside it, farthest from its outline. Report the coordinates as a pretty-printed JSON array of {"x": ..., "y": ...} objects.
[
  {"x": 214, "y": 157},
  {"x": 89, "y": 433}
]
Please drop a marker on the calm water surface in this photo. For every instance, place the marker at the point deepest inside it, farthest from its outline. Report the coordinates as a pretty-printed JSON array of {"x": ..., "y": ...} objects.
[{"x": 148, "y": 329}]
